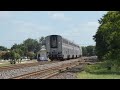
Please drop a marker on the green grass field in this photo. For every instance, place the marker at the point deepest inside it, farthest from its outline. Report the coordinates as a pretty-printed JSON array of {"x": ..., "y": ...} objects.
[
  {"x": 85, "y": 75},
  {"x": 103, "y": 70}
]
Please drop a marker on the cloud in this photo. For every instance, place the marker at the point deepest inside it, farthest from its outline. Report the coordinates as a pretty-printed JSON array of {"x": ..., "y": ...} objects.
[
  {"x": 22, "y": 30},
  {"x": 58, "y": 16},
  {"x": 33, "y": 30},
  {"x": 82, "y": 33},
  {"x": 82, "y": 28},
  {"x": 31, "y": 25}
]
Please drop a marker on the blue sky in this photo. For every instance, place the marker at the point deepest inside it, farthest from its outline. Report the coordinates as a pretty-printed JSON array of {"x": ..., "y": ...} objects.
[{"x": 77, "y": 26}]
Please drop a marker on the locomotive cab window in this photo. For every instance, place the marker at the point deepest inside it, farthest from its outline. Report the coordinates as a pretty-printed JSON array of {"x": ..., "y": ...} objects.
[{"x": 53, "y": 41}]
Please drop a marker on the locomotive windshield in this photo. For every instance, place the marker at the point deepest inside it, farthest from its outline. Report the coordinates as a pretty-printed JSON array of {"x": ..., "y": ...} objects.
[{"x": 53, "y": 41}]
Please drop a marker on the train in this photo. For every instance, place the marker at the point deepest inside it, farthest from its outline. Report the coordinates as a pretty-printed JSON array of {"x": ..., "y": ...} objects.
[{"x": 60, "y": 48}]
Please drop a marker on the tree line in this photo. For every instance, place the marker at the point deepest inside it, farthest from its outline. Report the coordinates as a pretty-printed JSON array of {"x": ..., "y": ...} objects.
[
  {"x": 28, "y": 48},
  {"x": 88, "y": 50}
]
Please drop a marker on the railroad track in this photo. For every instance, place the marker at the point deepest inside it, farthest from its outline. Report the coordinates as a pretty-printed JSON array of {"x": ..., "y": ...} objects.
[
  {"x": 48, "y": 72},
  {"x": 40, "y": 70},
  {"x": 3, "y": 68},
  {"x": 18, "y": 66}
]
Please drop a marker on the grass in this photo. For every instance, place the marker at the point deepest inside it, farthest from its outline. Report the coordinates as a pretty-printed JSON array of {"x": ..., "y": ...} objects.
[
  {"x": 103, "y": 70},
  {"x": 6, "y": 63},
  {"x": 86, "y": 75}
]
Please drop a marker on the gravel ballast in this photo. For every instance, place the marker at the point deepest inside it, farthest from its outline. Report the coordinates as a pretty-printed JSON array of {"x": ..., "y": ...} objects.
[{"x": 17, "y": 72}]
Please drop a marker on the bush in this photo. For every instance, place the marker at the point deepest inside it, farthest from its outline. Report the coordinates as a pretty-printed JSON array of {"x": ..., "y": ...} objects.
[
  {"x": 92, "y": 68},
  {"x": 31, "y": 55},
  {"x": 106, "y": 67},
  {"x": 6, "y": 56}
]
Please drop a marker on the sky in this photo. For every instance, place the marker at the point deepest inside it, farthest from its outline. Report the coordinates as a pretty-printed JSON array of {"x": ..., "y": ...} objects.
[{"x": 77, "y": 26}]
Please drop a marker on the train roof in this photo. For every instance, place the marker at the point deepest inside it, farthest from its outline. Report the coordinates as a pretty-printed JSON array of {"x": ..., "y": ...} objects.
[
  {"x": 63, "y": 38},
  {"x": 53, "y": 35},
  {"x": 70, "y": 41}
]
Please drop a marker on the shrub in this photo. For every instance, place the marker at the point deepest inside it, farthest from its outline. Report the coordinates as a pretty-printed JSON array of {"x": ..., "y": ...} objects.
[{"x": 106, "y": 67}]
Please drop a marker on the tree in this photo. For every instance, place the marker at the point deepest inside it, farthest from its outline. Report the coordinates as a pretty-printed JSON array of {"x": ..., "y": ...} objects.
[
  {"x": 4, "y": 55},
  {"x": 90, "y": 50},
  {"x": 12, "y": 57},
  {"x": 41, "y": 39},
  {"x": 41, "y": 42},
  {"x": 2, "y": 48},
  {"x": 84, "y": 51},
  {"x": 31, "y": 44},
  {"x": 17, "y": 57},
  {"x": 15, "y": 46},
  {"x": 23, "y": 49},
  {"x": 31, "y": 55},
  {"x": 19, "y": 48},
  {"x": 19, "y": 51},
  {"x": 107, "y": 37},
  {"x": 28, "y": 45}
]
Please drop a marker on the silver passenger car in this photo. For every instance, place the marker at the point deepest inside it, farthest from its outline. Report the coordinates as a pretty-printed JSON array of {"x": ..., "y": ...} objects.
[{"x": 60, "y": 48}]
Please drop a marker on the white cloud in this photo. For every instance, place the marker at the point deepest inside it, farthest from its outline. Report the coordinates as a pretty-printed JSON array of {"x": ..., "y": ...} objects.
[
  {"x": 28, "y": 29},
  {"x": 32, "y": 25},
  {"x": 83, "y": 33},
  {"x": 82, "y": 28},
  {"x": 58, "y": 16}
]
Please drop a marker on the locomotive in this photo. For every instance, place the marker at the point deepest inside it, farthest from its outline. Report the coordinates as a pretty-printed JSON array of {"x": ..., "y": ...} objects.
[{"x": 59, "y": 48}]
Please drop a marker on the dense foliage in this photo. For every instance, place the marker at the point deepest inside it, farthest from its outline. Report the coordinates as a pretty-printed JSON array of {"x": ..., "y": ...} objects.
[
  {"x": 88, "y": 51},
  {"x": 2, "y": 48},
  {"x": 107, "y": 48},
  {"x": 107, "y": 37},
  {"x": 28, "y": 48}
]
